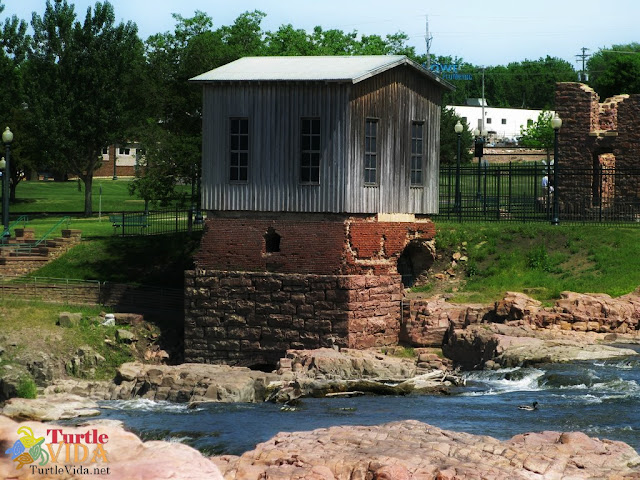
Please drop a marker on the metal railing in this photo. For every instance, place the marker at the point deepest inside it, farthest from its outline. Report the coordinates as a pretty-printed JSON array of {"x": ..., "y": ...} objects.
[
  {"x": 28, "y": 247},
  {"x": 520, "y": 192},
  {"x": 156, "y": 222},
  {"x": 119, "y": 296}
]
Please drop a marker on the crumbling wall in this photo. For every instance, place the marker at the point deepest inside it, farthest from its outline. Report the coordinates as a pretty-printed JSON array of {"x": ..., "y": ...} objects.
[
  {"x": 309, "y": 243},
  {"x": 597, "y": 137}
]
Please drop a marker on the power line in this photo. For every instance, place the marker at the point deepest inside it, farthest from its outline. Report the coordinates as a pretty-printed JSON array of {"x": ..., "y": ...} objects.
[{"x": 584, "y": 55}]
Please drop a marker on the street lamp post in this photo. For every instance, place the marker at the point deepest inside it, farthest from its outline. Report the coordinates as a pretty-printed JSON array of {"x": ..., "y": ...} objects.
[
  {"x": 556, "y": 123},
  {"x": 7, "y": 138},
  {"x": 479, "y": 152},
  {"x": 458, "y": 201}
]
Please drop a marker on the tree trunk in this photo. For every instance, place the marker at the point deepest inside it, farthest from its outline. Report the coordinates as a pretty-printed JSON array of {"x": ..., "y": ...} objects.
[{"x": 88, "y": 183}]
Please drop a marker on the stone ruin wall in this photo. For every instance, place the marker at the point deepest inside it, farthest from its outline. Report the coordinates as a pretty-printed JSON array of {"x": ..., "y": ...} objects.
[
  {"x": 597, "y": 134},
  {"x": 333, "y": 282}
]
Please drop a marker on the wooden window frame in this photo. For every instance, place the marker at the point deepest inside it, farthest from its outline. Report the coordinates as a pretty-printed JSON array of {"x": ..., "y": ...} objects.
[
  {"x": 239, "y": 137},
  {"x": 310, "y": 159},
  {"x": 370, "y": 154},
  {"x": 417, "y": 154}
]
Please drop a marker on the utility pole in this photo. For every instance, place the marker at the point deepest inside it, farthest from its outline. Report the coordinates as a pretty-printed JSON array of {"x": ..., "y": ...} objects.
[
  {"x": 428, "y": 39},
  {"x": 583, "y": 56}
]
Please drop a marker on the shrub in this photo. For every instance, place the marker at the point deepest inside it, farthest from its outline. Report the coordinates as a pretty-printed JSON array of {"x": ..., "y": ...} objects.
[{"x": 26, "y": 387}]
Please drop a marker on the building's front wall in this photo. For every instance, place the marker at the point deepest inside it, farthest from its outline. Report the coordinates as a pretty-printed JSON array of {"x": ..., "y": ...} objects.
[
  {"x": 503, "y": 124},
  {"x": 396, "y": 98},
  {"x": 274, "y": 111}
]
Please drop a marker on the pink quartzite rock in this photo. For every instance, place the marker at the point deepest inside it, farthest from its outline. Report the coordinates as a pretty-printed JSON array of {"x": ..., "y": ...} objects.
[
  {"x": 414, "y": 450},
  {"x": 128, "y": 457}
]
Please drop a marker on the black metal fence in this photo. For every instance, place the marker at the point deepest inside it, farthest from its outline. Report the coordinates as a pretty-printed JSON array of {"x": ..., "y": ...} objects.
[
  {"x": 156, "y": 222},
  {"x": 527, "y": 192},
  {"x": 121, "y": 297}
]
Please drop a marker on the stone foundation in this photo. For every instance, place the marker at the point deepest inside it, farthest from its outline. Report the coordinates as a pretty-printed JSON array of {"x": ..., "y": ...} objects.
[{"x": 253, "y": 318}]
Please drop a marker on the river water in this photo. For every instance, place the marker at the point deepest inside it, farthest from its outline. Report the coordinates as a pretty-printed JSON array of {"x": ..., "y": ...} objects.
[{"x": 600, "y": 398}]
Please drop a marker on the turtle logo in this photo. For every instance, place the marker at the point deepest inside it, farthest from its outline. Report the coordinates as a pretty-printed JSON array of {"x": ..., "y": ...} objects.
[{"x": 28, "y": 449}]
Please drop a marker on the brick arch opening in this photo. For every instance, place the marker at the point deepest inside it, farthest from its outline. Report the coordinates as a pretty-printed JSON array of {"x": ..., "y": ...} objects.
[{"x": 415, "y": 261}]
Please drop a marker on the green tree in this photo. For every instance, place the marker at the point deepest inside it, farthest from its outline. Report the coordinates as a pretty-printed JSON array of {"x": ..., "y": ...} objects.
[
  {"x": 616, "y": 70},
  {"x": 83, "y": 86},
  {"x": 539, "y": 134},
  {"x": 14, "y": 45},
  {"x": 449, "y": 139}
]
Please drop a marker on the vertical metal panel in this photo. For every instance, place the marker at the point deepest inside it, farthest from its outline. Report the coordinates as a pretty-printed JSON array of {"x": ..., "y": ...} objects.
[
  {"x": 274, "y": 110},
  {"x": 396, "y": 97}
]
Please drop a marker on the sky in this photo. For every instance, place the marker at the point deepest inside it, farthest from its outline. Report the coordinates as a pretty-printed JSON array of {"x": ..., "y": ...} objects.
[{"x": 493, "y": 32}]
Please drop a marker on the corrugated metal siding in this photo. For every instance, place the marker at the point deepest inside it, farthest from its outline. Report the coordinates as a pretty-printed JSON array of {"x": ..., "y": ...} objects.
[
  {"x": 396, "y": 97},
  {"x": 274, "y": 111}
]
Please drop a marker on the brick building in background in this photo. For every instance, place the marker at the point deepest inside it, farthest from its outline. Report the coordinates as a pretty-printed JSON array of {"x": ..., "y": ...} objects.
[
  {"x": 318, "y": 177},
  {"x": 127, "y": 159}
]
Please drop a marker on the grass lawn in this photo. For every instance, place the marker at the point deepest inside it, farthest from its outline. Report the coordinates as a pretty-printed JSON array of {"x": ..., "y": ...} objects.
[
  {"x": 537, "y": 258},
  {"x": 53, "y": 197}
]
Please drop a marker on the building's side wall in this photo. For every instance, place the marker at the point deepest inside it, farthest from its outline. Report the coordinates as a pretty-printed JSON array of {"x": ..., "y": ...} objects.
[
  {"x": 274, "y": 111},
  {"x": 251, "y": 318},
  {"x": 396, "y": 98}
]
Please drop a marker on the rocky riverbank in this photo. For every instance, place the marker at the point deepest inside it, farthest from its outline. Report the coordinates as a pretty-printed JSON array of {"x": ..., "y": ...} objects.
[{"x": 399, "y": 451}]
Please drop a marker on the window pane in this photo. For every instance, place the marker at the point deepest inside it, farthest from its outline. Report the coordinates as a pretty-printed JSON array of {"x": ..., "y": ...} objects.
[
  {"x": 315, "y": 143},
  {"x": 315, "y": 174},
  {"x": 238, "y": 149}
]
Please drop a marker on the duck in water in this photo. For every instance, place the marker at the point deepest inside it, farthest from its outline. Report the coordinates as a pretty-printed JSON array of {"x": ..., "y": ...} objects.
[{"x": 529, "y": 408}]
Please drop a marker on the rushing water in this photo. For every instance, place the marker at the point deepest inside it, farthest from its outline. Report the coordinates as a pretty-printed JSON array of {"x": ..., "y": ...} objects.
[{"x": 600, "y": 398}]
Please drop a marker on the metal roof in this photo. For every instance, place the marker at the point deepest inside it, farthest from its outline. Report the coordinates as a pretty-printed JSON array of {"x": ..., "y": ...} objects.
[{"x": 339, "y": 68}]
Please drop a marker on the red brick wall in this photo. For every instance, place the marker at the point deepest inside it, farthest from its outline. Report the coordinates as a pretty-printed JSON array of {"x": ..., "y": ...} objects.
[{"x": 314, "y": 244}]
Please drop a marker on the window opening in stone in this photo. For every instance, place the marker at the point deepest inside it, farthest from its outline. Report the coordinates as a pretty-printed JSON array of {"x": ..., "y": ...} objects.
[
  {"x": 414, "y": 262},
  {"x": 272, "y": 241}
]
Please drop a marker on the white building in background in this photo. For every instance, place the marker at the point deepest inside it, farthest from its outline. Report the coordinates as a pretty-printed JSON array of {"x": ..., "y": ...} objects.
[{"x": 503, "y": 124}]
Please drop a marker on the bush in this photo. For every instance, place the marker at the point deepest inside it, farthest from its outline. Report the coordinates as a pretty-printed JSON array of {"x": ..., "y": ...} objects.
[{"x": 27, "y": 387}]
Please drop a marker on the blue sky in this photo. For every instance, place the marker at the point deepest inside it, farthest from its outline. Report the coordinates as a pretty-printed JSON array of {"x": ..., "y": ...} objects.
[{"x": 484, "y": 33}]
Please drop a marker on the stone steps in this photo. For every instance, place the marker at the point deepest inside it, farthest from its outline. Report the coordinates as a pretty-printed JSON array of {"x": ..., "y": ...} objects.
[{"x": 21, "y": 256}]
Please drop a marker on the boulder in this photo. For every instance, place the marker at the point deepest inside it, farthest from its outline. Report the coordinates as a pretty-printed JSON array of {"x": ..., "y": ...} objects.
[
  {"x": 516, "y": 306},
  {"x": 411, "y": 449},
  {"x": 125, "y": 336},
  {"x": 50, "y": 407},
  {"x": 191, "y": 382},
  {"x": 67, "y": 319},
  {"x": 513, "y": 345},
  {"x": 430, "y": 320}
]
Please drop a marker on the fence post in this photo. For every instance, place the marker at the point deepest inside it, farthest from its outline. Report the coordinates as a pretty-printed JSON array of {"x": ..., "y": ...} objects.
[
  {"x": 176, "y": 218},
  {"x": 498, "y": 182},
  {"x": 123, "y": 224},
  {"x": 190, "y": 221}
]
